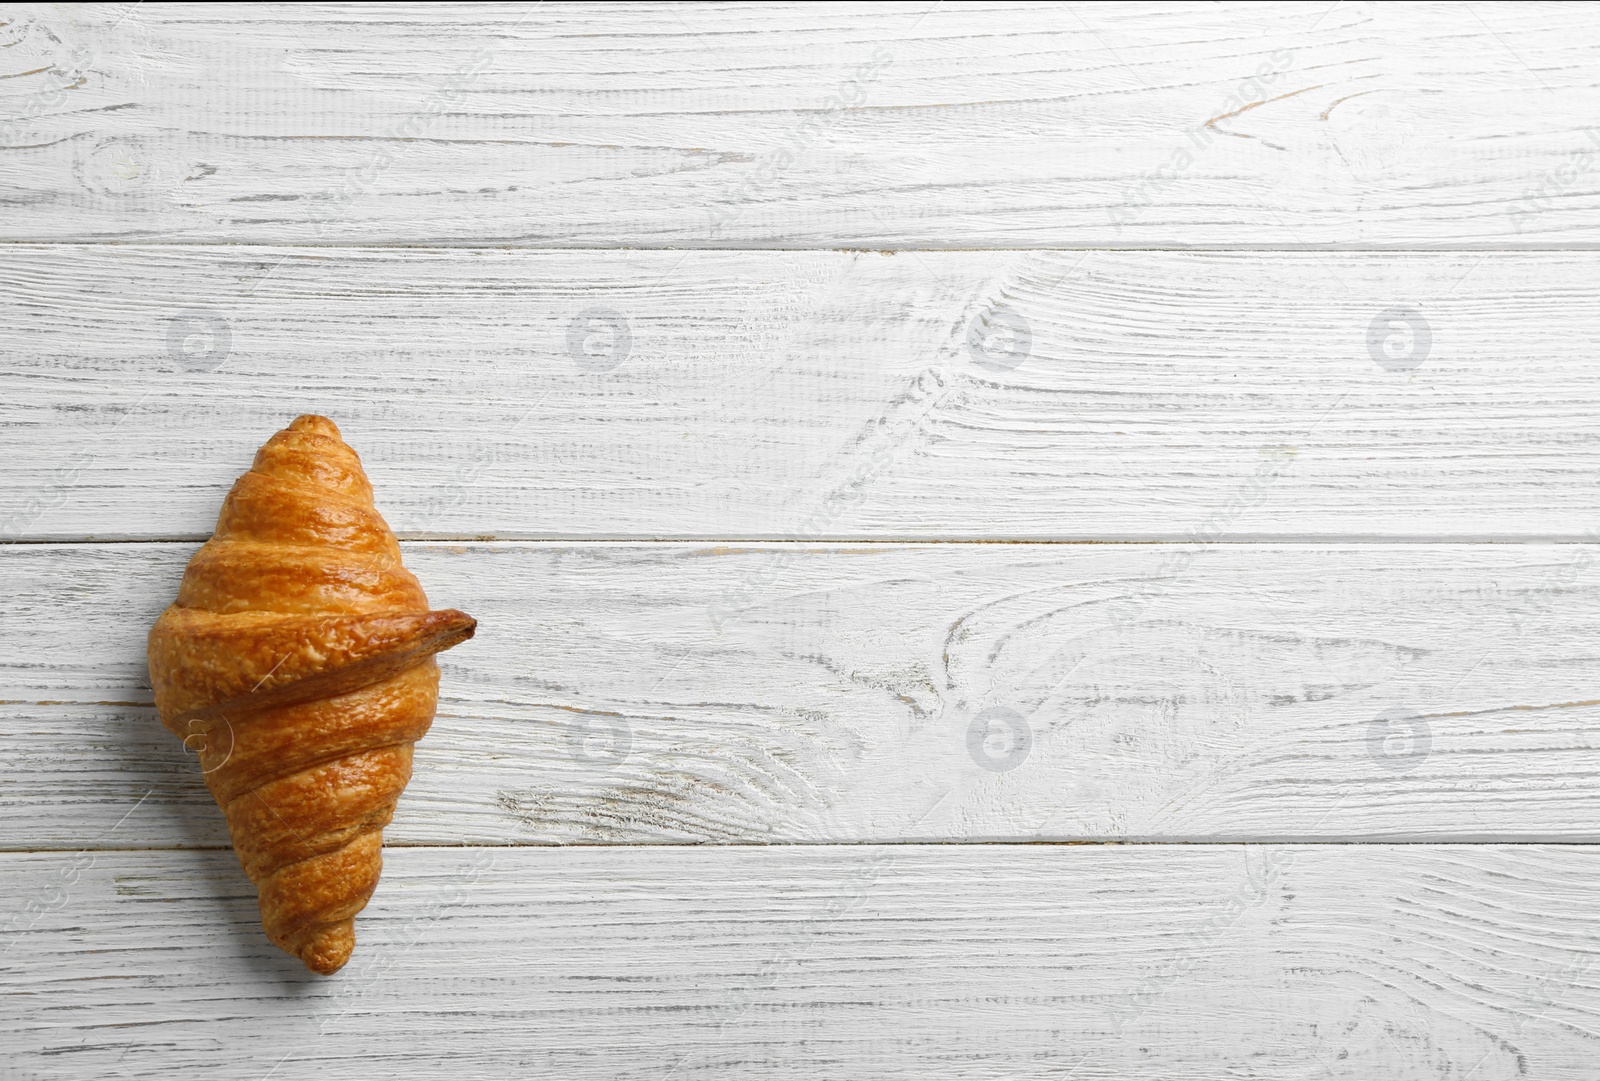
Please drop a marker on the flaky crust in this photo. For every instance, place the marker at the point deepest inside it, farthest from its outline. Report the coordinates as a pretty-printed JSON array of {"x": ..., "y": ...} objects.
[{"x": 298, "y": 663}]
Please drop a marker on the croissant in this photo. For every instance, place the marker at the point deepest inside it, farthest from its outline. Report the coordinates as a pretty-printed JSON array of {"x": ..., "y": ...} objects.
[{"x": 298, "y": 663}]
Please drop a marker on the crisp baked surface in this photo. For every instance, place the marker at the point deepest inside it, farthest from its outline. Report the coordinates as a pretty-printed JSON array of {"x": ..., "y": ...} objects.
[{"x": 298, "y": 662}]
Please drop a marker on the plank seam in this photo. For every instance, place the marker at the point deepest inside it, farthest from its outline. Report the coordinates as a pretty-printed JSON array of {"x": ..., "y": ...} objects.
[
  {"x": 1186, "y": 249},
  {"x": 1520, "y": 842},
  {"x": 1240, "y": 540}
]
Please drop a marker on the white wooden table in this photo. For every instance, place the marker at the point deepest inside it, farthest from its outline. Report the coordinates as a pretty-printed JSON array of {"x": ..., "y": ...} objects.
[{"x": 706, "y": 354}]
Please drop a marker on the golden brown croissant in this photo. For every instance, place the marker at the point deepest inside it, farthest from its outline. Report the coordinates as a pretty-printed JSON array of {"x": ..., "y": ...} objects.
[{"x": 298, "y": 662}]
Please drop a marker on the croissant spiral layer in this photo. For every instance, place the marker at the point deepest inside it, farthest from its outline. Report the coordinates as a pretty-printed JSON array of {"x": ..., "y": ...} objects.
[{"x": 298, "y": 663}]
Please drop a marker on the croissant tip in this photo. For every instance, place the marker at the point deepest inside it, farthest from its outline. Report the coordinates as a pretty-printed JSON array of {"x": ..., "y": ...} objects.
[
  {"x": 311, "y": 422},
  {"x": 455, "y": 626},
  {"x": 329, "y": 949}
]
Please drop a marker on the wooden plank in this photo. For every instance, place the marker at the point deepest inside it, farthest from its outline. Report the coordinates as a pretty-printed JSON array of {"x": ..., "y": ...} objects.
[
  {"x": 1408, "y": 962},
  {"x": 814, "y": 394},
  {"x": 883, "y": 125},
  {"x": 625, "y": 693}
]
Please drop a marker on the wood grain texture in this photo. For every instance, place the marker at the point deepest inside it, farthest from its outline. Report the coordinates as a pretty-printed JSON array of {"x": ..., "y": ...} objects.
[
  {"x": 923, "y": 124},
  {"x": 813, "y": 394},
  {"x": 1427, "y": 963},
  {"x": 213, "y": 217},
  {"x": 641, "y": 693}
]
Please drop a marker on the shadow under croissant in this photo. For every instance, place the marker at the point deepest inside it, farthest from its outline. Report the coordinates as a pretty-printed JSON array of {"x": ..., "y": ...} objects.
[
  {"x": 221, "y": 897},
  {"x": 225, "y": 899}
]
